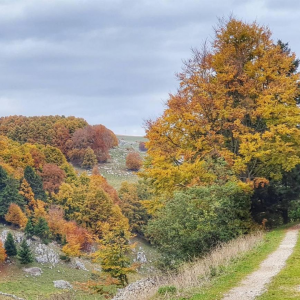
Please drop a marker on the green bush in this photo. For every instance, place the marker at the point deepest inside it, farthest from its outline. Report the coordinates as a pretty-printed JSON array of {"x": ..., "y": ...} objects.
[
  {"x": 198, "y": 219},
  {"x": 163, "y": 290}
]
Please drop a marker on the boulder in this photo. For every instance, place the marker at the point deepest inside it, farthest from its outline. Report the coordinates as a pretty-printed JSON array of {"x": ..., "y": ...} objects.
[
  {"x": 62, "y": 284},
  {"x": 33, "y": 271},
  {"x": 79, "y": 265},
  {"x": 44, "y": 254}
]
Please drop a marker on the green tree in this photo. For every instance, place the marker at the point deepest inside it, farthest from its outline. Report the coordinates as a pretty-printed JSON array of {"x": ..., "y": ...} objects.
[
  {"x": 35, "y": 182},
  {"x": 25, "y": 255},
  {"x": 9, "y": 192},
  {"x": 10, "y": 246},
  {"x": 29, "y": 229},
  {"x": 41, "y": 229},
  {"x": 90, "y": 159},
  {"x": 132, "y": 207},
  {"x": 194, "y": 221}
]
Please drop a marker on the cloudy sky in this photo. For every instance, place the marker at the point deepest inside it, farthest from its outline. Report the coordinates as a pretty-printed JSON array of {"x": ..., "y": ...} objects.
[{"x": 113, "y": 61}]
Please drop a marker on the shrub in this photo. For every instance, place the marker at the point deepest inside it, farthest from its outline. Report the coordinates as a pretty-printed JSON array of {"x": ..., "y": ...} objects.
[
  {"x": 142, "y": 146},
  {"x": 163, "y": 290},
  {"x": 133, "y": 161}
]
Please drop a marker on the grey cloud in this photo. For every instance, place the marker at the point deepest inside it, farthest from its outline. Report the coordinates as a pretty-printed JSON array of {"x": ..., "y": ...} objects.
[{"x": 112, "y": 61}]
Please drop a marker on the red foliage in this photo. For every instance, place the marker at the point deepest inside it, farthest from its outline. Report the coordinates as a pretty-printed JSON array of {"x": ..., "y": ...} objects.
[
  {"x": 52, "y": 177},
  {"x": 133, "y": 161},
  {"x": 142, "y": 146}
]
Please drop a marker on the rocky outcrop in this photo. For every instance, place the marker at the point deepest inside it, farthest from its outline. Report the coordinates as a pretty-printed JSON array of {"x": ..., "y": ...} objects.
[
  {"x": 62, "y": 284},
  {"x": 33, "y": 271},
  {"x": 133, "y": 290},
  {"x": 44, "y": 254},
  {"x": 79, "y": 265}
]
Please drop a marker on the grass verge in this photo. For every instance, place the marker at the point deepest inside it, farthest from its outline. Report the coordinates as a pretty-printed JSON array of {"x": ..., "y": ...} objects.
[
  {"x": 231, "y": 268},
  {"x": 286, "y": 285}
]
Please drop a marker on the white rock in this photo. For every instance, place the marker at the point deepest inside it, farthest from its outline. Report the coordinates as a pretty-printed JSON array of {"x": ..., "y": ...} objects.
[
  {"x": 62, "y": 284},
  {"x": 33, "y": 271}
]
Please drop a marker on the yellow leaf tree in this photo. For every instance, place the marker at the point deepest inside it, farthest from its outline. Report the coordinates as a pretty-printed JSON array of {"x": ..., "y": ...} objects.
[
  {"x": 16, "y": 216},
  {"x": 2, "y": 253},
  {"x": 237, "y": 101}
]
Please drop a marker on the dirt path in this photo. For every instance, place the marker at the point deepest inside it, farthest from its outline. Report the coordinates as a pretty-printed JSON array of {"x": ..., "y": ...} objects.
[{"x": 255, "y": 284}]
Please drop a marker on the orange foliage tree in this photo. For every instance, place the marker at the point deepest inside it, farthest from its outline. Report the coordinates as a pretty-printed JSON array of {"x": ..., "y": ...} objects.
[
  {"x": 133, "y": 161},
  {"x": 52, "y": 177},
  {"x": 16, "y": 216},
  {"x": 2, "y": 253},
  {"x": 238, "y": 101}
]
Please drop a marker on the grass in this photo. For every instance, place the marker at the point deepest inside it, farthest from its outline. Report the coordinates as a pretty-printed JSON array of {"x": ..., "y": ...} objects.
[
  {"x": 115, "y": 170},
  {"x": 286, "y": 285},
  {"x": 211, "y": 277},
  {"x": 15, "y": 281}
]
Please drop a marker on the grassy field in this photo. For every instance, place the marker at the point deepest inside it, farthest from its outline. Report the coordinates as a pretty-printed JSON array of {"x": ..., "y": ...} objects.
[{"x": 115, "y": 169}]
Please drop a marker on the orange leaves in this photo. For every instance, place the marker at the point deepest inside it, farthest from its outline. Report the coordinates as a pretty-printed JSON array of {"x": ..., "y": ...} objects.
[
  {"x": 16, "y": 216},
  {"x": 236, "y": 101},
  {"x": 133, "y": 161},
  {"x": 2, "y": 253}
]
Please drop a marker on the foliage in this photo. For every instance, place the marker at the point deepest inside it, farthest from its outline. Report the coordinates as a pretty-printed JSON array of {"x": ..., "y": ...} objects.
[
  {"x": 133, "y": 161},
  {"x": 142, "y": 146},
  {"x": 10, "y": 246},
  {"x": 29, "y": 228},
  {"x": 3, "y": 254},
  {"x": 8, "y": 192},
  {"x": 35, "y": 182},
  {"x": 97, "y": 137},
  {"x": 164, "y": 290},
  {"x": 194, "y": 221},
  {"x": 90, "y": 159},
  {"x": 16, "y": 216},
  {"x": 114, "y": 249},
  {"x": 132, "y": 207},
  {"x": 41, "y": 229},
  {"x": 236, "y": 100},
  {"x": 25, "y": 255},
  {"x": 52, "y": 177}
]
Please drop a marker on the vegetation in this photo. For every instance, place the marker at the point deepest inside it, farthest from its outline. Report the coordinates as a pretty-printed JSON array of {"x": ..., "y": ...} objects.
[
  {"x": 133, "y": 161},
  {"x": 10, "y": 246},
  {"x": 25, "y": 256}
]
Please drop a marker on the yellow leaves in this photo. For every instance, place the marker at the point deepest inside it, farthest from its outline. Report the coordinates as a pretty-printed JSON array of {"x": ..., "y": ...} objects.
[{"x": 16, "y": 216}]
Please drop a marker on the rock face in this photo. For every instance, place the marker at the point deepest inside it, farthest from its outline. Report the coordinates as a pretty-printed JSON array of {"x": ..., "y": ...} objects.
[
  {"x": 44, "y": 254},
  {"x": 34, "y": 271},
  {"x": 62, "y": 284},
  {"x": 79, "y": 265},
  {"x": 18, "y": 236},
  {"x": 132, "y": 291}
]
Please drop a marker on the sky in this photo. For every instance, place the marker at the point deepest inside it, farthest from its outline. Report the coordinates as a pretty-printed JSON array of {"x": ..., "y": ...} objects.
[{"x": 113, "y": 62}]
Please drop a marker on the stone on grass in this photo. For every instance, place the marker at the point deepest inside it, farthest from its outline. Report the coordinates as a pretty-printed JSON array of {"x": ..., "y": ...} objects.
[
  {"x": 62, "y": 284},
  {"x": 33, "y": 271}
]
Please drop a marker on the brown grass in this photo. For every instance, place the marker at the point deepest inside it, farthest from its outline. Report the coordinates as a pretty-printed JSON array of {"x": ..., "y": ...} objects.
[{"x": 198, "y": 272}]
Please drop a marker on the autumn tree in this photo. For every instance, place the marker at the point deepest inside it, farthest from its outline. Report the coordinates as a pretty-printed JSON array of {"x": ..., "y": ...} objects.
[
  {"x": 52, "y": 177},
  {"x": 142, "y": 146},
  {"x": 132, "y": 207},
  {"x": 114, "y": 248},
  {"x": 133, "y": 161},
  {"x": 90, "y": 159},
  {"x": 2, "y": 253},
  {"x": 28, "y": 195},
  {"x": 35, "y": 182},
  {"x": 16, "y": 216},
  {"x": 10, "y": 246},
  {"x": 237, "y": 100}
]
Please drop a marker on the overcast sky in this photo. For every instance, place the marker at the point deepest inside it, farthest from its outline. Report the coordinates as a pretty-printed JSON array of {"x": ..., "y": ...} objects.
[{"x": 113, "y": 61}]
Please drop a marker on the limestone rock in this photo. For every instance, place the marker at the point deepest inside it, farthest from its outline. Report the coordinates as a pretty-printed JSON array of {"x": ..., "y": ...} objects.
[
  {"x": 33, "y": 271},
  {"x": 44, "y": 254},
  {"x": 79, "y": 265},
  {"x": 62, "y": 284}
]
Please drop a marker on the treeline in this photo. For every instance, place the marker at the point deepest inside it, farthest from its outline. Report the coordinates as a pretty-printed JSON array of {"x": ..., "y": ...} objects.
[{"x": 81, "y": 143}]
